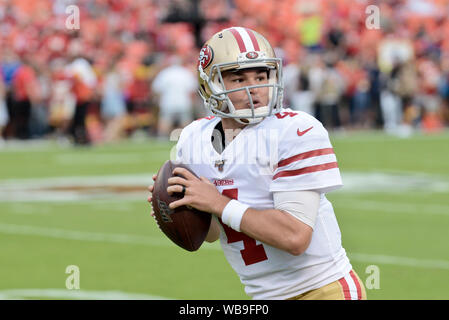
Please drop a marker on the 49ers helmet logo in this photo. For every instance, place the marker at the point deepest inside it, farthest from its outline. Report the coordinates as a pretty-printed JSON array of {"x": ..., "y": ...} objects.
[
  {"x": 252, "y": 55},
  {"x": 206, "y": 56}
]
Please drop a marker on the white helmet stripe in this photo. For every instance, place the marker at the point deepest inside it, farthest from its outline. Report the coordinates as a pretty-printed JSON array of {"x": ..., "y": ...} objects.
[{"x": 246, "y": 38}]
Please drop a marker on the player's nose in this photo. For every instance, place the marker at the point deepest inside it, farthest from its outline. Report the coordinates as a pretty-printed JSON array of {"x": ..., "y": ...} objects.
[{"x": 254, "y": 93}]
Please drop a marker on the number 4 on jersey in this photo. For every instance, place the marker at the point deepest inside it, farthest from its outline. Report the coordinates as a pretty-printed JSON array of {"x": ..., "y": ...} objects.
[
  {"x": 251, "y": 252},
  {"x": 282, "y": 115}
]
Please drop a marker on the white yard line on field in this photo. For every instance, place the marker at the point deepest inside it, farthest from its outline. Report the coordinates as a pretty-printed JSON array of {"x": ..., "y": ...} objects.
[
  {"x": 401, "y": 261},
  {"x": 74, "y": 294},
  {"x": 73, "y": 188},
  {"x": 133, "y": 186},
  {"x": 394, "y": 207},
  {"x": 109, "y": 205},
  {"x": 27, "y": 230},
  {"x": 125, "y": 179},
  {"x": 392, "y": 182},
  {"x": 160, "y": 242},
  {"x": 92, "y": 159},
  {"x": 108, "y": 158}
]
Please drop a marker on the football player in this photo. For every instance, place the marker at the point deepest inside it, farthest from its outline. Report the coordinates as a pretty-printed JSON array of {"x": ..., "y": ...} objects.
[{"x": 264, "y": 171}]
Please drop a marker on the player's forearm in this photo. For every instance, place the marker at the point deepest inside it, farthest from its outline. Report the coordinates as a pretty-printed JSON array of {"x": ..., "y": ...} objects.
[
  {"x": 278, "y": 229},
  {"x": 271, "y": 226}
]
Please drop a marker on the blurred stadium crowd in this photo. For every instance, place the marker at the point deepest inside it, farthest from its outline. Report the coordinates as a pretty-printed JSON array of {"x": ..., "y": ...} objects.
[{"x": 131, "y": 64}]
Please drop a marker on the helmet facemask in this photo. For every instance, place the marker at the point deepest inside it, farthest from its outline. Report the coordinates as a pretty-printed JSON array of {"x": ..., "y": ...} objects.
[{"x": 220, "y": 103}]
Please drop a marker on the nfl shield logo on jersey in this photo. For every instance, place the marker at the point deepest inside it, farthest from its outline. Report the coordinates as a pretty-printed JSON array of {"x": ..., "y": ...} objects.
[{"x": 219, "y": 164}]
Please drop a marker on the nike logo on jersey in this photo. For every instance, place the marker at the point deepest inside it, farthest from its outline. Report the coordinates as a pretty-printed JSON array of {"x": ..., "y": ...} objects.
[{"x": 301, "y": 133}]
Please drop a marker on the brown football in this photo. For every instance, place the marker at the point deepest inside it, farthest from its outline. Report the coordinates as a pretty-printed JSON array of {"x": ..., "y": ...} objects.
[{"x": 185, "y": 226}]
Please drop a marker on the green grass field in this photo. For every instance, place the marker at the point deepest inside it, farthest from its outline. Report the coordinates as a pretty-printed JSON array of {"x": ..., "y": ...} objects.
[{"x": 393, "y": 213}]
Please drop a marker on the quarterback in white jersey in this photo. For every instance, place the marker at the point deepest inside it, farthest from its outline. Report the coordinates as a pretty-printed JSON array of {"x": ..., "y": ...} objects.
[{"x": 264, "y": 171}]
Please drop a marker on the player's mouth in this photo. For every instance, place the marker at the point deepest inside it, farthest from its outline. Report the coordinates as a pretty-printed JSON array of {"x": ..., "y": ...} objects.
[{"x": 256, "y": 102}]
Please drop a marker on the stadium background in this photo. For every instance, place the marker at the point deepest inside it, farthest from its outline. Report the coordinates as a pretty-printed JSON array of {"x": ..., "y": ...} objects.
[{"x": 82, "y": 136}]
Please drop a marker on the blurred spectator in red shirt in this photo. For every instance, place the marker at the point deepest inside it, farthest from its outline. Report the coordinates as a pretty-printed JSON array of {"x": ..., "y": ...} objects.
[
  {"x": 25, "y": 93},
  {"x": 84, "y": 81}
]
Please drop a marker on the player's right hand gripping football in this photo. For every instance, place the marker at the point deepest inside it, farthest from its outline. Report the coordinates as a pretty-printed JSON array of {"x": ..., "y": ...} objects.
[{"x": 199, "y": 193}]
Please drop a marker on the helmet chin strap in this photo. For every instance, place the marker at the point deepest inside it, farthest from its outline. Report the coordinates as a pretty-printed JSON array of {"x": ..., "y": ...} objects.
[
  {"x": 244, "y": 116},
  {"x": 247, "y": 121},
  {"x": 247, "y": 115}
]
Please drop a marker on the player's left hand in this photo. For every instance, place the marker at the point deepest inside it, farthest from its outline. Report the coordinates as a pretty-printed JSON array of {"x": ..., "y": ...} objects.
[{"x": 200, "y": 193}]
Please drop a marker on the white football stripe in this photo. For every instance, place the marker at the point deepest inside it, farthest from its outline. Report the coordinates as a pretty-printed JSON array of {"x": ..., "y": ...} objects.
[{"x": 246, "y": 39}]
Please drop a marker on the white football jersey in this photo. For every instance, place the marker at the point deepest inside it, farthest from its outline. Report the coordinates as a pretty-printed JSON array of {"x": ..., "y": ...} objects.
[{"x": 284, "y": 152}]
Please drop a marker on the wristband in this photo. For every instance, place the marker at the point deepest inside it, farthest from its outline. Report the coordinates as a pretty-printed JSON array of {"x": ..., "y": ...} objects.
[{"x": 233, "y": 213}]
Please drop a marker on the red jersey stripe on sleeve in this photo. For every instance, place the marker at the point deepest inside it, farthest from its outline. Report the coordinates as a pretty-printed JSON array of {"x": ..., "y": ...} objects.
[
  {"x": 306, "y": 155},
  {"x": 319, "y": 167}
]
